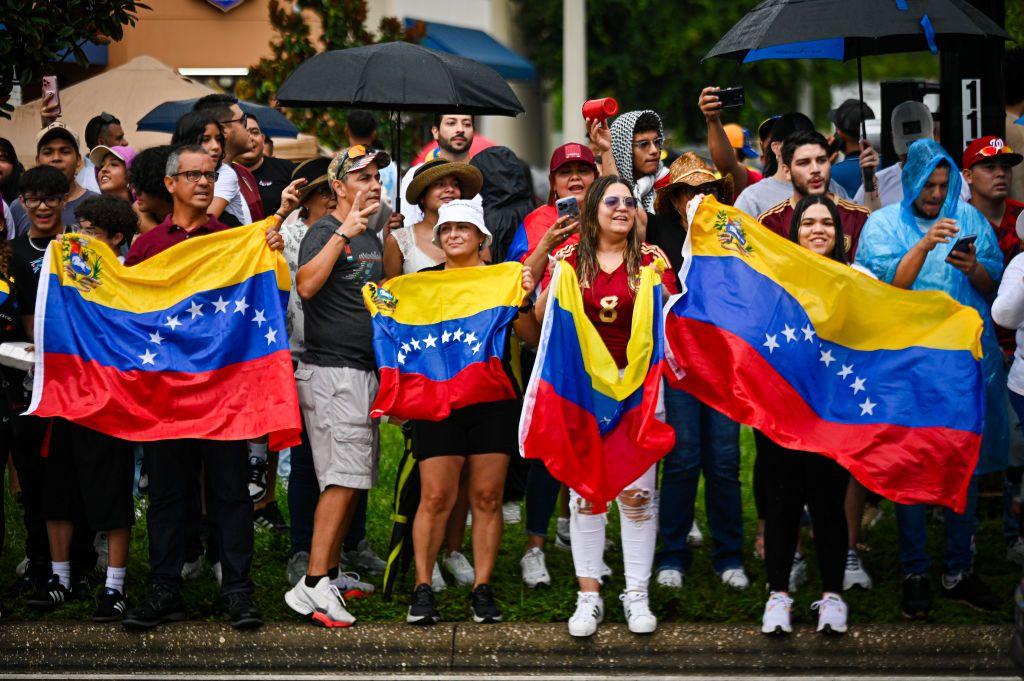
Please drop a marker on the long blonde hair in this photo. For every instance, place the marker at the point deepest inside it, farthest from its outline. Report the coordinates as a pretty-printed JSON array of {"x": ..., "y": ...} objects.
[{"x": 590, "y": 231}]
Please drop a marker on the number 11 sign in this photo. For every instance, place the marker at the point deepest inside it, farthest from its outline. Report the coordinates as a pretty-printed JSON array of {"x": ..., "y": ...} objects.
[{"x": 970, "y": 108}]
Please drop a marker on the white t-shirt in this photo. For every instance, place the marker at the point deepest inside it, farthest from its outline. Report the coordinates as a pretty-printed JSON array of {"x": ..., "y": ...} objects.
[
  {"x": 411, "y": 211},
  {"x": 890, "y": 185},
  {"x": 227, "y": 188},
  {"x": 86, "y": 177},
  {"x": 770, "y": 192},
  {"x": 1008, "y": 312}
]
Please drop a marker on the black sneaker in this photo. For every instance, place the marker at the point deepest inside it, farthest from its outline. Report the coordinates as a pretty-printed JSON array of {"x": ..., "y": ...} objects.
[
  {"x": 50, "y": 595},
  {"x": 422, "y": 610},
  {"x": 269, "y": 518},
  {"x": 485, "y": 610},
  {"x": 162, "y": 604},
  {"x": 917, "y": 598},
  {"x": 85, "y": 583},
  {"x": 243, "y": 612},
  {"x": 110, "y": 607},
  {"x": 968, "y": 588},
  {"x": 257, "y": 478}
]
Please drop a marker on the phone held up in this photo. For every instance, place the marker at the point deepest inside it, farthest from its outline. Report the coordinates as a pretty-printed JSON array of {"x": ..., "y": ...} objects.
[
  {"x": 731, "y": 97},
  {"x": 568, "y": 207},
  {"x": 50, "y": 91},
  {"x": 963, "y": 244}
]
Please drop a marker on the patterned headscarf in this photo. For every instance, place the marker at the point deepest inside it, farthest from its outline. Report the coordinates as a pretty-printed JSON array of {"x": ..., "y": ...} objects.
[{"x": 622, "y": 149}]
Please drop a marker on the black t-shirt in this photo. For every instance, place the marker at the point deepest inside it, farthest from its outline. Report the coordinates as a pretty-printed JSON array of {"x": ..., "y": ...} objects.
[
  {"x": 31, "y": 251},
  {"x": 337, "y": 324},
  {"x": 669, "y": 236},
  {"x": 272, "y": 177}
]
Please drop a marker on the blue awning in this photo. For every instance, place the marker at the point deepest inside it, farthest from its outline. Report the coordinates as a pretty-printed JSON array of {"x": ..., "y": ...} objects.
[{"x": 478, "y": 46}]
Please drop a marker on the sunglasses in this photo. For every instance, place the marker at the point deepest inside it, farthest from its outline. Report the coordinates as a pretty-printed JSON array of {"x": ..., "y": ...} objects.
[
  {"x": 644, "y": 145},
  {"x": 994, "y": 151},
  {"x": 612, "y": 202}
]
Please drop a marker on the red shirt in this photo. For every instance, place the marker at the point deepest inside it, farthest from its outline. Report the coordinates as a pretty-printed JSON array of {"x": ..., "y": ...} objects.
[
  {"x": 165, "y": 235},
  {"x": 608, "y": 301},
  {"x": 852, "y": 215}
]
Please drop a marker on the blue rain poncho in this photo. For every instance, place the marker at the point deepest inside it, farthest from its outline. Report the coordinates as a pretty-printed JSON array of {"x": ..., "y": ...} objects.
[{"x": 893, "y": 230}]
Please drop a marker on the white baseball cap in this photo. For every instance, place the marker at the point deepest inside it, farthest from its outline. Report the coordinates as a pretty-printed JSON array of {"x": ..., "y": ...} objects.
[
  {"x": 911, "y": 121},
  {"x": 461, "y": 210}
]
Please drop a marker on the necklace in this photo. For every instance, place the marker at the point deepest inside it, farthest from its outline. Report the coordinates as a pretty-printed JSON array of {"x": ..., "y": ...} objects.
[{"x": 32, "y": 243}]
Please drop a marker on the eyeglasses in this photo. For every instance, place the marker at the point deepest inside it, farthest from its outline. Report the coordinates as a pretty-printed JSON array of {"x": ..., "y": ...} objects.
[
  {"x": 50, "y": 201},
  {"x": 644, "y": 145},
  {"x": 244, "y": 120},
  {"x": 612, "y": 202},
  {"x": 194, "y": 175}
]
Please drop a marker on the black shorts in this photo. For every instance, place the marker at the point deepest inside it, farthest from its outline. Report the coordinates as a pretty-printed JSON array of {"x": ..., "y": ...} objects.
[
  {"x": 85, "y": 467},
  {"x": 487, "y": 428}
]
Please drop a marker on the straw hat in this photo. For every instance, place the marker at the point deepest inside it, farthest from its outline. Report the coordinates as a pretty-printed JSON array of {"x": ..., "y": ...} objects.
[
  {"x": 470, "y": 179},
  {"x": 690, "y": 171}
]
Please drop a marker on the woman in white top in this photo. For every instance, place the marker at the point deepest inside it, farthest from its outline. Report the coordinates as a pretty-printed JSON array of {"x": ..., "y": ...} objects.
[{"x": 434, "y": 184}]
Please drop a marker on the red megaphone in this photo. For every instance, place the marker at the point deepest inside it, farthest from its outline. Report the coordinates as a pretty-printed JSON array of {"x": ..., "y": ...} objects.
[{"x": 600, "y": 109}]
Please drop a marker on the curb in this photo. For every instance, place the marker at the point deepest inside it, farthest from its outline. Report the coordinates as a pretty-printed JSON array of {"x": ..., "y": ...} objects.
[{"x": 676, "y": 648}]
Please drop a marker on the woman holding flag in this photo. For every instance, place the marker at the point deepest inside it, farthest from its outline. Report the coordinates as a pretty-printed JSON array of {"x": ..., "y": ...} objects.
[
  {"x": 479, "y": 437},
  {"x": 608, "y": 261}
]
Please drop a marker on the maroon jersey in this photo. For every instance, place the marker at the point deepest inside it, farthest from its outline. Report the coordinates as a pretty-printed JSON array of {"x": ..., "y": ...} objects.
[{"x": 852, "y": 215}]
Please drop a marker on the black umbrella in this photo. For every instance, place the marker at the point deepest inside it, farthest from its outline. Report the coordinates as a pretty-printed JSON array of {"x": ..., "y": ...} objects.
[
  {"x": 850, "y": 29},
  {"x": 397, "y": 77},
  {"x": 165, "y": 117}
]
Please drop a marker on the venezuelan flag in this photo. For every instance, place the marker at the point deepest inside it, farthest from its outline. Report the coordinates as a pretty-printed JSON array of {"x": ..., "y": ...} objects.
[
  {"x": 594, "y": 426},
  {"x": 190, "y": 343},
  {"x": 439, "y": 338},
  {"x": 822, "y": 358}
]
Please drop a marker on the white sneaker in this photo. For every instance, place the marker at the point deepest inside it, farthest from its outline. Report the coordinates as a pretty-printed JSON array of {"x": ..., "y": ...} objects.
[
  {"x": 349, "y": 586},
  {"x": 855, "y": 574},
  {"x": 736, "y": 578},
  {"x": 562, "y": 538},
  {"x": 694, "y": 539},
  {"x": 1015, "y": 551},
  {"x": 797, "y": 573},
  {"x": 323, "y": 604},
  {"x": 637, "y": 608},
  {"x": 831, "y": 614},
  {"x": 437, "y": 583},
  {"x": 512, "y": 513},
  {"x": 589, "y": 613},
  {"x": 459, "y": 567},
  {"x": 669, "y": 577},
  {"x": 776, "y": 614},
  {"x": 218, "y": 572},
  {"x": 192, "y": 569},
  {"x": 535, "y": 569}
]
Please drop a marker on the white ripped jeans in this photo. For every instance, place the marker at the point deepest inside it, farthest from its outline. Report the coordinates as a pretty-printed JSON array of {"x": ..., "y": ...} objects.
[{"x": 638, "y": 518}]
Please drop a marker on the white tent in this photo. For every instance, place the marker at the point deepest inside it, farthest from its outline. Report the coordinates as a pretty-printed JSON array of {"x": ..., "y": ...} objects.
[{"x": 129, "y": 91}]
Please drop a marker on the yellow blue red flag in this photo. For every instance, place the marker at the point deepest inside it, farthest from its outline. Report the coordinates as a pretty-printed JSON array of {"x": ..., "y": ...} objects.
[
  {"x": 595, "y": 427},
  {"x": 823, "y": 358},
  {"x": 440, "y": 337},
  {"x": 190, "y": 343}
]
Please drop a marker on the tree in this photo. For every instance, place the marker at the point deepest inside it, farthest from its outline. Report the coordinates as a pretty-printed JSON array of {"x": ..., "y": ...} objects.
[
  {"x": 343, "y": 23},
  {"x": 646, "y": 54},
  {"x": 31, "y": 36}
]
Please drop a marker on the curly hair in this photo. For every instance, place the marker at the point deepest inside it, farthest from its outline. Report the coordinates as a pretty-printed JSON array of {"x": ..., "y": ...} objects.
[
  {"x": 590, "y": 232},
  {"x": 110, "y": 214},
  {"x": 147, "y": 172},
  {"x": 44, "y": 181}
]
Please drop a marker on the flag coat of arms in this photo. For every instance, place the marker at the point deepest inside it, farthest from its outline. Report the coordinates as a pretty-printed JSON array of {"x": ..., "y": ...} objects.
[
  {"x": 596, "y": 428},
  {"x": 190, "y": 343},
  {"x": 823, "y": 358},
  {"x": 439, "y": 338}
]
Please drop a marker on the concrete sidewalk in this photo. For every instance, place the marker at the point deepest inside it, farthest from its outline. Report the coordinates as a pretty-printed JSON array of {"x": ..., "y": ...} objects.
[{"x": 210, "y": 647}]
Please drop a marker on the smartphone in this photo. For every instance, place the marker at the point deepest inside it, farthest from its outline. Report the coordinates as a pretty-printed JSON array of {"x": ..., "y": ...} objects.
[
  {"x": 731, "y": 97},
  {"x": 568, "y": 207},
  {"x": 50, "y": 90},
  {"x": 963, "y": 245}
]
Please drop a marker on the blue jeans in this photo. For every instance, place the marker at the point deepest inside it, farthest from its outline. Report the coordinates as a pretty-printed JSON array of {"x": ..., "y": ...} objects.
[
  {"x": 541, "y": 496},
  {"x": 959, "y": 529},
  {"x": 706, "y": 441}
]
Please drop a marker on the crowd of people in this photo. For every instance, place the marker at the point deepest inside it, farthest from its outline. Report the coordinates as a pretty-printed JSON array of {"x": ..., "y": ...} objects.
[{"x": 927, "y": 222}]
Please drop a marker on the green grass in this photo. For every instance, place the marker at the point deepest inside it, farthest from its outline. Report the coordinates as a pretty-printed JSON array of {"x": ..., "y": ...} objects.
[{"x": 702, "y": 599}]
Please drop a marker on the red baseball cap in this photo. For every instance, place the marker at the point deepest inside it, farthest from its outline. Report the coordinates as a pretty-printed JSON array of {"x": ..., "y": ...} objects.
[
  {"x": 572, "y": 153},
  {"x": 988, "y": 148}
]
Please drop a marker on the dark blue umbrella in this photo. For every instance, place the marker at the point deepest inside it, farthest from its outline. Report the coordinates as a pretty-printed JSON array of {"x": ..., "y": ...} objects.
[{"x": 165, "y": 117}]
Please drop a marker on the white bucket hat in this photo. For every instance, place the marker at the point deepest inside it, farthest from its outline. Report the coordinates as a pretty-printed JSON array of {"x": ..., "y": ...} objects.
[{"x": 461, "y": 210}]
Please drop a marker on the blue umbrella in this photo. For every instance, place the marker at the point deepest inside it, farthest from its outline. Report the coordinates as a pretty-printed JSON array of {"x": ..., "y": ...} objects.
[{"x": 165, "y": 117}]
